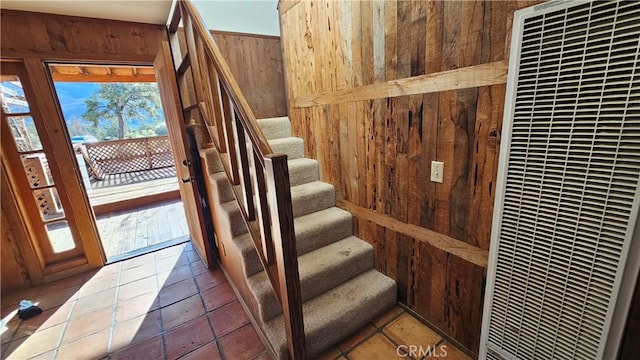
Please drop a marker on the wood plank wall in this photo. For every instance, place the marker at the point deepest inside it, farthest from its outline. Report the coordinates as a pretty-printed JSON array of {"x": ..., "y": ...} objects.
[
  {"x": 256, "y": 62},
  {"x": 48, "y": 36},
  {"x": 378, "y": 90},
  {"x": 14, "y": 274}
]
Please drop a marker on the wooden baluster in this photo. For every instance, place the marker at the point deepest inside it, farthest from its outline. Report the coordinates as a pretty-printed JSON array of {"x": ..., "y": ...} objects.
[
  {"x": 245, "y": 178},
  {"x": 264, "y": 218},
  {"x": 218, "y": 116},
  {"x": 229, "y": 136},
  {"x": 279, "y": 193}
]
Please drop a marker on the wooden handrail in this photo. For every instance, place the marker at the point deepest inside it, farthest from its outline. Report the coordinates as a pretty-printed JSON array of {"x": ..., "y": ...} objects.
[{"x": 264, "y": 196}]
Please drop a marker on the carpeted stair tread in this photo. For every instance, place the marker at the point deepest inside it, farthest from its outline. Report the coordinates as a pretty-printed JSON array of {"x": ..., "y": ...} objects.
[
  {"x": 250, "y": 260},
  {"x": 320, "y": 270},
  {"x": 313, "y": 231},
  {"x": 321, "y": 228},
  {"x": 302, "y": 171},
  {"x": 293, "y": 147},
  {"x": 212, "y": 162},
  {"x": 337, "y": 313},
  {"x": 305, "y": 199},
  {"x": 232, "y": 218},
  {"x": 311, "y": 197},
  {"x": 275, "y": 128}
]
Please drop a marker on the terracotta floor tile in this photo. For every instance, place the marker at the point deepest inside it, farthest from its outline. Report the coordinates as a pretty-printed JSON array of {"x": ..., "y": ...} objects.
[
  {"x": 91, "y": 303},
  {"x": 106, "y": 270},
  {"x": 218, "y": 296},
  {"x": 129, "y": 309},
  {"x": 8, "y": 328},
  {"x": 197, "y": 267},
  {"x": 448, "y": 351},
  {"x": 228, "y": 318},
  {"x": 387, "y": 317},
  {"x": 95, "y": 285},
  {"x": 69, "y": 282},
  {"x": 138, "y": 261},
  {"x": 407, "y": 330},
  {"x": 36, "y": 344},
  {"x": 378, "y": 347},
  {"x": 57, "y": 298},
  {"x": 89, "y": 347},
  {"x": 188, "y": 337},
  {"x": 88, "y": 324},
  {"x": 137, "y": 288},
  {"x": 209, "y": 279},
  {"x": 178, "y": 274},
  {"x": 47, "y": 319},
  {"x": 330, "y": 354},
  {"x": 243, "y": 343},
  {"x": 11, "y": 301},
  {"x": 136, "y": 330},
  {"x": 358, "y": 337},
  {"x": 264, "y": 356},
  {"x": 207, "y": 352},
  {"x": 137, "y": 273},
  {"x": 171, "y": 262},
  {"x": 170, "y": 251},
  {"x": 192, "y": 256},
  {"x": 182, "y": 311},
  {"x": 150, "y": 349},
  {"x": 49, "y": 355},
  {"x": 178, "y": 291}
]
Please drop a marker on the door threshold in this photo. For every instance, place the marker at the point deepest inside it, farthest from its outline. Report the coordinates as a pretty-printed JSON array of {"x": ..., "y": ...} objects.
[{"x": 148, "y": 249}]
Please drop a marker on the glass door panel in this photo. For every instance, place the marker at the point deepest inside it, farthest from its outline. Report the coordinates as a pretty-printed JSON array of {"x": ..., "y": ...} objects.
[{"x": 27, "y": 154}]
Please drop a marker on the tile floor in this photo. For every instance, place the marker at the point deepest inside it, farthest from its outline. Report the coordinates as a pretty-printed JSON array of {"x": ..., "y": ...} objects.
[{"x": 167, "y": 305}]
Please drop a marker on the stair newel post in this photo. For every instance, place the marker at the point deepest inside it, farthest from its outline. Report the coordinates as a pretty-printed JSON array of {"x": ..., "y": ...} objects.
[
  {"x": 279, "y": 195},
  {"x": 263, "y": 214}
]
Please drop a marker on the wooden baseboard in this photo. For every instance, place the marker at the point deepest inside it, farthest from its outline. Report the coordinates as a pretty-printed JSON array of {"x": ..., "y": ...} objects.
[{"x": 135, "y": 202}]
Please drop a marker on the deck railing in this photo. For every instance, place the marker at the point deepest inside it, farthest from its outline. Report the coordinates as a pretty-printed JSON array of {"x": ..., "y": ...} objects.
[
  {"x": 264, "y": 194},
  {"x": 128, "y": 155}
]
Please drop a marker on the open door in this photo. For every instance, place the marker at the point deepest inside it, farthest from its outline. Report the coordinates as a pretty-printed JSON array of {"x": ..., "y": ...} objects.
[{"x": 198, "y": 219}]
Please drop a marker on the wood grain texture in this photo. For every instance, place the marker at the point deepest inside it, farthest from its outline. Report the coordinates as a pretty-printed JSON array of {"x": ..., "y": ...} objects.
[
  {"x": 467, "y": 77},
  {"x": 422, "y": 81},
  {"x": 256, "y": 63},
  {"x": 58, "y": 37}
]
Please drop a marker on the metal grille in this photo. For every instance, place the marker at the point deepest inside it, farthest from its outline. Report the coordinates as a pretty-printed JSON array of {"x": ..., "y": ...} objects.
[{"x": 571, "y": 181}]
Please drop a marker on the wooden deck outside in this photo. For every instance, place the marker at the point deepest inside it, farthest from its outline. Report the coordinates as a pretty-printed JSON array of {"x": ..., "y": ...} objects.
[{"x": 130, "y": 230}]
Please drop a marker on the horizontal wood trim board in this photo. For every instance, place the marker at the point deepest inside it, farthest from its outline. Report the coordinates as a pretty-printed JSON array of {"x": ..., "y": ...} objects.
[
  {"x": 468, "y": 77},
  {"x": 135, "y": 202},
  {"x": 445, "y": 243},
  {"x": 103, "y": 78},
  {"x": 241, "y": 34}
]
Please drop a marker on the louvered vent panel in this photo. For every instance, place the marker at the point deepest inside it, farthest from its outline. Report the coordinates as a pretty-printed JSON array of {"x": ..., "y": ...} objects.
[{"x": 571, "y": 180}]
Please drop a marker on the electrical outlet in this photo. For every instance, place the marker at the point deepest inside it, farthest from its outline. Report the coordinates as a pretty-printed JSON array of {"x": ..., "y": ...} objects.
[{"x": 437, "y": 171}]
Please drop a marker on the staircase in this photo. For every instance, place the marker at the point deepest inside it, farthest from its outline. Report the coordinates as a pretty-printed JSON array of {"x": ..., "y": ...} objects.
[{"x": 340, "y": 289}]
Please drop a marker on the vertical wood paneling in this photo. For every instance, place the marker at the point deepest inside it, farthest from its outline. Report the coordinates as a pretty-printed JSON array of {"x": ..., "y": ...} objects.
[
  {"x": 256, "y": 62},
  {"x": 378, "y": 152}
]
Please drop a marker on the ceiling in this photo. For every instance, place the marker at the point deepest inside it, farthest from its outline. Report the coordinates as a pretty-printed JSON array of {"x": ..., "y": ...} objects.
[
  {"x": 144, "y": 11},
  {"x": 99, "y": 73}
]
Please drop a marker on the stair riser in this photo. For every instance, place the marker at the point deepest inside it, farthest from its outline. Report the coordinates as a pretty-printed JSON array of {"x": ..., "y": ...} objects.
[
  {"x": 303, "y": 173},
  {"x": 232, "y": 220},
  {"x": 292, "y": 147},
  {"x": 310, "y": 237},
  {"x": 308, "y": 198},
  {"x": 319, "y": 272},
  {"x": 275, "y": 128}
]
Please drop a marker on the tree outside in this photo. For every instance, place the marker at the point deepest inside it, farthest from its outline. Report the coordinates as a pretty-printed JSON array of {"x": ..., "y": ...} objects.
[{"x": 123, "y": 110}]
